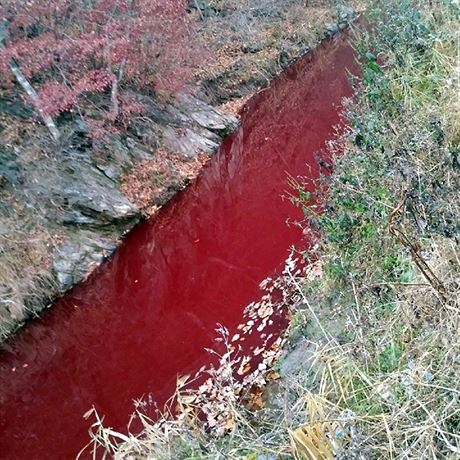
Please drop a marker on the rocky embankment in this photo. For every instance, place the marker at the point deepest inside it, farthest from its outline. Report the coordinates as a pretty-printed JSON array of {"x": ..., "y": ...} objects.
[{"x": 64, "y": 208}]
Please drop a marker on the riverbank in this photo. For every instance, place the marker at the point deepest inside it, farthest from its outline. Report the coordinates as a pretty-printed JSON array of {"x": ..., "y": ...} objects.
[
  {"x": 371, "y": 360},
  {"x": 64, "y": 208}
]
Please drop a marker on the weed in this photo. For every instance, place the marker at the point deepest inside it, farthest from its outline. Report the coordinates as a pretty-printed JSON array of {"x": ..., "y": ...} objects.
[{"x": 25, "y": 280}]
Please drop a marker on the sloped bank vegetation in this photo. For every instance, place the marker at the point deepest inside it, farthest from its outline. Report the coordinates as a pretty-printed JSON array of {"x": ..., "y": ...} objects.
[{"x": 372, "y": 359}]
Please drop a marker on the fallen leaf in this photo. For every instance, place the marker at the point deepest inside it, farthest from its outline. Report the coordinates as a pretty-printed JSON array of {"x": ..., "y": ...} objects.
[{"x": 230, "y": 424}]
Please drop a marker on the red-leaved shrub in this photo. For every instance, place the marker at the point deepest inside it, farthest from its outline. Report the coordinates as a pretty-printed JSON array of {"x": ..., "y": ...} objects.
[{"x": 80, "y": 55}]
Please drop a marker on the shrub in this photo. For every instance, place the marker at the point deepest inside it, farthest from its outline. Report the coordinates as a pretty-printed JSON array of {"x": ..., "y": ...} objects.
[{"x": 72, "y": 51}]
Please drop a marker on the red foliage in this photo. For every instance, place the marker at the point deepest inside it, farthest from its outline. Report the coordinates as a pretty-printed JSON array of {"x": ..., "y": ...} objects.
[{"x": 72, "y": 49}]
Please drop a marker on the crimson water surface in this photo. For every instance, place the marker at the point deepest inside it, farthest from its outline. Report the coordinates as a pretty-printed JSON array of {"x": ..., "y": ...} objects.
[{"x": 149, "y": 314}]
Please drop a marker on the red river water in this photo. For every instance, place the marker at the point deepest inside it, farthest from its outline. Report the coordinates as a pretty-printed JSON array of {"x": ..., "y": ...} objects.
[{"x": 147, "y": 315}]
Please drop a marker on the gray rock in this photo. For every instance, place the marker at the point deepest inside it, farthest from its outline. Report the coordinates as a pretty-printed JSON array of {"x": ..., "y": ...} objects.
[
  {"x": 331, "y": 29},
  {"x": 252, "y": 48},
  {"x": 346, "y": 14},
  {"x": 187, "y": 142},
  {"x": 111, "y": 170},
  {"x": 206, "y": 10},
  {"x": 75, "y": 192},
  {"x": 144, "y": 130},
  {"x": 137, "y": 151},
  {"x": 284, "y": 59},
  {"x": 206, "y": 116},
  {"x": 159, "y": 114},
  {"x": 209, "y": 120},
  {"x": 73, "y": 259},
  {"x": 186, "y": 125},
  {"x": 199, "y": 127},
  {"x": 112, "y": 157}
]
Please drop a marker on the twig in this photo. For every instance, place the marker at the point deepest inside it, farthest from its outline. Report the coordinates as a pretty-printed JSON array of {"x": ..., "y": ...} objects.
[
  {"x": 310, "y": 308},
  {"x": 199, "y": 10},
  {"x": 414, "y": 249}
]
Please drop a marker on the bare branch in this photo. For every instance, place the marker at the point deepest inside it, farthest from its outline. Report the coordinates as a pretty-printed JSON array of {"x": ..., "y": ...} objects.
[{"x": 27, "y": 87}]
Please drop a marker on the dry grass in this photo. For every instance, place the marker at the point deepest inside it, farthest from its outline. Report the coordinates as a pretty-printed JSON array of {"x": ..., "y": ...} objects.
[{"x": 25, "y": 279}]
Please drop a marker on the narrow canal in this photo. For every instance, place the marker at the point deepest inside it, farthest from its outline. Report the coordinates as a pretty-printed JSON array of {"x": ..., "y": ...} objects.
[{"x": 147, "y": 315}]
